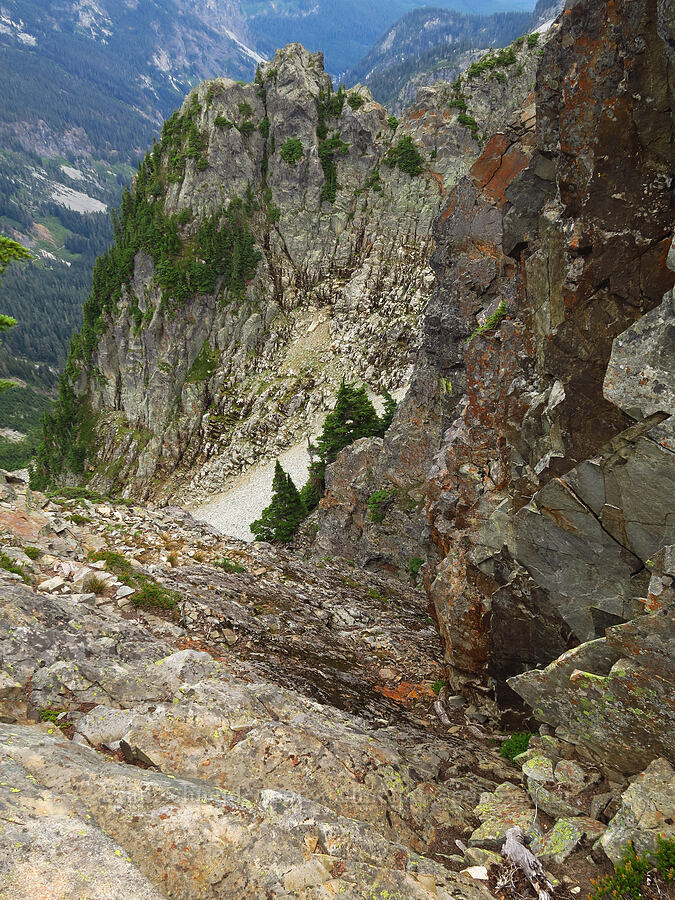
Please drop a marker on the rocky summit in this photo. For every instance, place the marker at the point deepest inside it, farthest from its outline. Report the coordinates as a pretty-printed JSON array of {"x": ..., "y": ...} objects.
[{"x": 455, "y": 681}]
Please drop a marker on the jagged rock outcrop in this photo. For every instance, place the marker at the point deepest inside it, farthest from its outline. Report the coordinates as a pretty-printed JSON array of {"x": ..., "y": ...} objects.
[
  {"x": 545, "y": 351},
  {"x": 178, "y": 394}
]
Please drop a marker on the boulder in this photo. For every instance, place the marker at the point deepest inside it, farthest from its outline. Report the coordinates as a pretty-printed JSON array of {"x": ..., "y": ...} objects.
[{"x": 647, "y": 810}]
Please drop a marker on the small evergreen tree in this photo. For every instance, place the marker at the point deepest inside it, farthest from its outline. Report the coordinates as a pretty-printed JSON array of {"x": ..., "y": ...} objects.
[
  {"x": 387, "y": 412},
  {"x": 352, "y": 418},
  {"x": 279, "y": 521}
]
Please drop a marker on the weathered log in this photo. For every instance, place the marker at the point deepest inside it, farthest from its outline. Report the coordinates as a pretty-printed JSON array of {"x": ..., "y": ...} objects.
[{"x": 515, "y": 850}]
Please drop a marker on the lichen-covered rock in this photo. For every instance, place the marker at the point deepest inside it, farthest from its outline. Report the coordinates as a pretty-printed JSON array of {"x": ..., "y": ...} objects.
[
  {"x": 504, "y": 808},
  {"x": 613, "y": 693},
  {"x": 565, "y": 836},
  {"x": 647, "y": 811},
  {"x": 177, "y": 837}
]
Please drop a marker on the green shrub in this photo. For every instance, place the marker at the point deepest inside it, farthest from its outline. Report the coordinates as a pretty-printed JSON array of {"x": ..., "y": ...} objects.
[
  {"x": 392, "y": 122},
  {"x": 9, "y": 565},
  {"x": 264, "y": 127},
  {"x": 223, "y": 122},
  {"x": 665, "y": 858},
  {"x": 437, "y": 686},
  {"x": 406, "y": 156},
  {"x": 630, "y": 873},
  {"x": 247, "y": 127},
  {"x": 505, "y": 57},
  {"x": 78, "y": 519},
  {"x": 292, "y": 151},
  {"x": 415, "y": 565},
  {"x": 229, "y": 566},
  {"x": 533, "y": 39},
  {"x": 204, "y": 366},
  {"x": 516, "y": 744},
  {"x": 327, "y": 151},
  {"x": 355, "y": 101},
  {"x": 32, "y": 552},
  {"x": 55, "y": 716},
  {"x": 245, "y": 109},
  {"x": 491, "y": 322},
  {"x": 378, "y": 502},
  {"x": 470, "y": 123},
  {"x": 148, "y": 592},
  {"x": 458, "y": 103}
]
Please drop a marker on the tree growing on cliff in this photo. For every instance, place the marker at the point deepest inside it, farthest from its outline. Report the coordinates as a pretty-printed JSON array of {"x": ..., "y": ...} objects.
[
  {"x": 279, "y": 521},
  {"x": 353, "y": 417}
]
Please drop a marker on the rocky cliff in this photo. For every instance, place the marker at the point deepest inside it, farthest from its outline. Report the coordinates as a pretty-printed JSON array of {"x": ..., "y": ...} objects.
[
  {"x": 184, "y": 715},
  {"x": 180, "y": 383},
  {"x": 533, "y": 455}
]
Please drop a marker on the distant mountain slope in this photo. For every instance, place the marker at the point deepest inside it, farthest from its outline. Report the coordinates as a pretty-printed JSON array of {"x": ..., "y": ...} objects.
[
  {"x": 86, "y": 86},
  {"x": 433, "y": 44},
  {"x": 344, "y": 30}
]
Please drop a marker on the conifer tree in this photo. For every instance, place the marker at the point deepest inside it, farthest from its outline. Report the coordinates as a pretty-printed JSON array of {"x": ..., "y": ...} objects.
[
  {"x": 352, "y": 418},
  {"x": 279, "y": 521},
  {"x": 387, "y": 412}
]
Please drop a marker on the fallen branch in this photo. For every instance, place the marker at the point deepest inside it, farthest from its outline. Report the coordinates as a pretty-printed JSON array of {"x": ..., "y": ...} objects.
[{"x": 516, "y": 851}]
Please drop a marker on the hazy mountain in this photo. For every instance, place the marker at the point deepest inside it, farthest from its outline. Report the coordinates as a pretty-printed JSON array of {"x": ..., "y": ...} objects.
[
  {"x": 344, "y": 30},
  {"x": 433, "y": 44}
]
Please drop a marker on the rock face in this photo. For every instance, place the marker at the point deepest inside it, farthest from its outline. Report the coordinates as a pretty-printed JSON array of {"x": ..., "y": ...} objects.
[
  {"x": 179, "y": 395},
  {"x": 544, "y": 367},
  {"x": 271, "y": 734}
]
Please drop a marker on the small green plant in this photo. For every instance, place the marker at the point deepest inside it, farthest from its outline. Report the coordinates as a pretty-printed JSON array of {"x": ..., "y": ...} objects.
[
  {"x": 78, "y": 519},
  {"x": 245, "y": 109},
  {"x": 392, "y": 122},
  {"x": 665, "y": 858},
  {"x": 32, "y": 552},
  {"x": 247, "y": 127},
  {"x": 415, "y": 565},
  {"x": 150, "y": 593},
  {"x": 378, "y": 503},
  {"x": 437, "y": 686},
  {"x": 9, "y": 565},
  {"x": 229, "y": 566},
  {"x": 55, "y": 716},
  {"x": 292, "y": 151},
  {"x": 458, "y": 103},
  {"x": 533, "y": 39},
  {"x": 491, "y": 322},
  {"x": 223, "y": 122},
  {"x": 376, "y": 595},
  {"x": 515, "y": 745},
  {"x": 95, "y": 585},
  {"x": 356, "y": 101}
]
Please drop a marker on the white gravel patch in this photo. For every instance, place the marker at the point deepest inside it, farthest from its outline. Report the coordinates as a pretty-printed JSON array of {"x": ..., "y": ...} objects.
[
  {"x": 76, "y": 200},
  {"x": 233, "y": 511}
]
